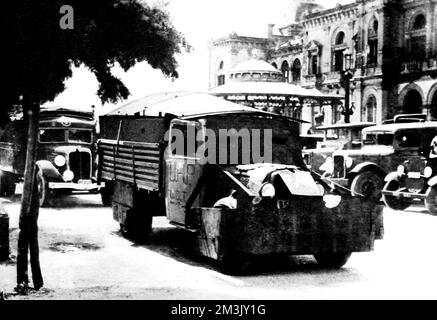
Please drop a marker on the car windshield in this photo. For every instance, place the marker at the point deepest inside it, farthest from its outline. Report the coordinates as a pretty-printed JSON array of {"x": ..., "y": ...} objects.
[
  {"x": 78, "y": 135},
  {"x": 385, "y": 139},
  {"x": 52, "y": 135}
]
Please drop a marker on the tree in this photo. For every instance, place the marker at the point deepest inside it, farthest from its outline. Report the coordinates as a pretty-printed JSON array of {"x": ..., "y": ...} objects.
[{"x": 43, "y": 40}]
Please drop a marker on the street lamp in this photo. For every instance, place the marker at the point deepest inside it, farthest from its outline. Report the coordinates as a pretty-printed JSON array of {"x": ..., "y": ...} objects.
[{"x": 347, "y": 75}]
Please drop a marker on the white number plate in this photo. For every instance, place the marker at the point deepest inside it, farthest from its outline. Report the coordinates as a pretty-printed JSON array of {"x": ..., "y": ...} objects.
[
  {"x": 84, "y": 181},
  {"x": 414, "y": 175}
]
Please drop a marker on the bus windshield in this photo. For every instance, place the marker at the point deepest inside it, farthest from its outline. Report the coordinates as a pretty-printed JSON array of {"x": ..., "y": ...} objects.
[
  {"x": 52, "y": 135},
  {"x": 78, "y": 135}
]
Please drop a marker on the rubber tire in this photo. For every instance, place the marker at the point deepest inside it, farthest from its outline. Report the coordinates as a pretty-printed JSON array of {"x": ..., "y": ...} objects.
[
  {"x": 137, "y": 226},
  {"x": 358, "y": 185},
  {"x": 333, "y": 260},
  {"x": 43, "y": 189},
  {"x": 233, "y": 265},
  {"x": 106, "y": 194},
  {"x": 7, "y": 184},
  {"x": 393, "y": 202},
  {"x": 430, "y": 200}
]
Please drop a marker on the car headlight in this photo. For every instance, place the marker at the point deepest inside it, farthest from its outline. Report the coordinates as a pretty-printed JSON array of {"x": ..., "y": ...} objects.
[
  {"x": 331, "y": 200},
  {"x": 349, "y": 162},
  {"x": 60, "y": 160},
  {"x": 427, "y": 172},
  {"x": 400, "y": 170},
  {"x": 68, "y": 175},
  {"x": 267, "y": 190}
]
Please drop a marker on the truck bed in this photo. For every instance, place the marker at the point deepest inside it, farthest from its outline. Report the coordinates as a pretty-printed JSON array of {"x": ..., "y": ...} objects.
[{"x": 134, "y": 162}]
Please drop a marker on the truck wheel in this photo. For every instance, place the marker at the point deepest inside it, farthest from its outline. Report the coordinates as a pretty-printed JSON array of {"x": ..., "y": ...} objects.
[
  {"x": 43, "y": 189},
  {"x": 7, "y": 184},
  {"x": 233, "y": 264},
  {"x": 137, "y": 226},
  {"x": 393, "y": 202},
  {"x": 106, "y": 194},
  {"x": 332, "y": 260},
  {"x": 368, "y": 184},
  {"x": 431, "y": 200}
]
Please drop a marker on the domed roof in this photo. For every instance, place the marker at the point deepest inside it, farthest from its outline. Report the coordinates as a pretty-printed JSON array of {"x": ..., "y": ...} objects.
[
  {"x": 255, "y": 70},
  {"x": 254, "y": 65}
]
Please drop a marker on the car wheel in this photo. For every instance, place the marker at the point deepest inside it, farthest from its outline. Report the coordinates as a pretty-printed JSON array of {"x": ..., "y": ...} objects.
[
  {"x": 367, "y": 184},
  {"x": 43, "y": 191},
  {"x": 431, "y": 200},
  {"x": 332, "y": 259},
  {"x": 394, "y": 202}
]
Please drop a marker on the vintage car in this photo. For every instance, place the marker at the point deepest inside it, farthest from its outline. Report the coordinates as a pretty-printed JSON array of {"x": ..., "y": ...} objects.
[
  {"x": 336, "y": 136},
  {"x": 235, "y": 208},
  {"x": 414, "y": 180},
  {"x": 385, "y": 147},
  {"x": 66, "y": 157}
]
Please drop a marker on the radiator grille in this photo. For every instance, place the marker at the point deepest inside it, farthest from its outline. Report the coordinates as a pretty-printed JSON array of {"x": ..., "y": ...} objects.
[{"x": 80, "y": 164}]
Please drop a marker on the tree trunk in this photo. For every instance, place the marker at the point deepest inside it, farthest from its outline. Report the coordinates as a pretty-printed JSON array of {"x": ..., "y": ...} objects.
[{"x": 28, "y": 223}]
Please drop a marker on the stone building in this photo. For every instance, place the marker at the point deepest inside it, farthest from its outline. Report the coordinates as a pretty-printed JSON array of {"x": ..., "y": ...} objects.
[{"x": 392, "y": 45}]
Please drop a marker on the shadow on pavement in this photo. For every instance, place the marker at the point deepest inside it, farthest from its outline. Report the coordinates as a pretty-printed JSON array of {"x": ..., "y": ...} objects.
[{"x": 179, "y": 245}]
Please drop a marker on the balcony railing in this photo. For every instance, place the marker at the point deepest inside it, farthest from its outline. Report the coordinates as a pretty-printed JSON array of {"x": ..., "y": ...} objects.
[{"x": 419, "y": 66}]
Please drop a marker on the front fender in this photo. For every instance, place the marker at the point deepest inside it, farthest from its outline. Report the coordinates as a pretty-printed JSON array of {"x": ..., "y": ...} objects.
[
  {"x": 367, "y": 166},
  {"x": 48, "y": 169},
  {"x": 433, "y": 181},
  {"x": 391, "y": 176}
]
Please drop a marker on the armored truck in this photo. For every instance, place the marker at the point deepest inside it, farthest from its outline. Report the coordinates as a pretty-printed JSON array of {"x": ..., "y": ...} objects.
[{"x": 232, "y": 175}]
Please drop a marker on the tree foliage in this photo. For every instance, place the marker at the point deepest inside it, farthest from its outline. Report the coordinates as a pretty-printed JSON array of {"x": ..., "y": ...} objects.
[{"x": 40, "y": 54}]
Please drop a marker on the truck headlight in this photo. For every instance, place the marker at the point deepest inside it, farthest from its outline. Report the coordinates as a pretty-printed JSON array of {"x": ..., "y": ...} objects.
[
  {"x": 267, "y": 190},
  {"x": 349, "y": 162},
  {"x": 60, "y": 160},
  {"x": 427, "y": 172},
  {"x": 331, "y": 200},
  {"x": 68, "y": 175},
  {"x": 400, "y": 170}
]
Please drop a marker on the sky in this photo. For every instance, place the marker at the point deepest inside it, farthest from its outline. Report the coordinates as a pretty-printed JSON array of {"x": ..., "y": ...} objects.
[{"x": 200, "y": 21}]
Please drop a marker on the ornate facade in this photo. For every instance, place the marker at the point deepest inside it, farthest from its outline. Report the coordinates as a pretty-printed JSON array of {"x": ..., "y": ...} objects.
[{"x": 392, "y": 45}]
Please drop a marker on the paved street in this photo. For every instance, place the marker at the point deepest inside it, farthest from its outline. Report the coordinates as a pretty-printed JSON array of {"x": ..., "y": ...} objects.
[{"x": 83, "y": 256}]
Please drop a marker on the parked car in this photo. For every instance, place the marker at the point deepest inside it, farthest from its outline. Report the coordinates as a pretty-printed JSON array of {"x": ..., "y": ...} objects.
[
  {"x": 414, "y": 180},
  {"x": 65, "y": 158},
  {"x": 336, "y": 136},
  {"x": 385, "y": 147}
]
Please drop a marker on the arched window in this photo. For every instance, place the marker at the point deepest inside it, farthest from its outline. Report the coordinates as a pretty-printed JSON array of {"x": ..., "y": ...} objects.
[
  {"x": 338, "y": 48},
  {"x": 296, "y": 70},
  {"x": 370, "y": 109},
  {"x": 412, "y": 102},
  {"x": 285, "y": 69},
  {"x": 372, "y": 42},
  {"x": 417, "y": 38},
  {"x": 221, "y": 76},
  {"x": 419, "y": 22},
  {"x": 433, "y": 106},
  {"x": 339, "y": 39}
]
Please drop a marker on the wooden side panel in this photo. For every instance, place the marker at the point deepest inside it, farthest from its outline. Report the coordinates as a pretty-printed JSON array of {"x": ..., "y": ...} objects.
[{"x": 134, "y": 162}]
